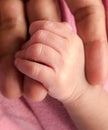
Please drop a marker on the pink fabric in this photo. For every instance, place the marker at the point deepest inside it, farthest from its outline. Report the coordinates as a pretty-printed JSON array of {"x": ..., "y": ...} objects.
[{"x": 21, "y": 114}]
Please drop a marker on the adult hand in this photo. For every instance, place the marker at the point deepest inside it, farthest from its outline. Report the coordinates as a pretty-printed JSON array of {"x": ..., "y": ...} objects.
[
  {"x": 90, "y": 21},
  {"x": 13, "y": 33}
]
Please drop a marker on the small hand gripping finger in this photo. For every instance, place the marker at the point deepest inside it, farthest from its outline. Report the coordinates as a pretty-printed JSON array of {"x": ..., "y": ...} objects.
[{"x": 41, "y": 53}]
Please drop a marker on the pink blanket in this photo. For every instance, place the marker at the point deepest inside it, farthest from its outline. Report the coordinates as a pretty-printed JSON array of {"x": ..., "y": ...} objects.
[{"x": 49, "y": 114}]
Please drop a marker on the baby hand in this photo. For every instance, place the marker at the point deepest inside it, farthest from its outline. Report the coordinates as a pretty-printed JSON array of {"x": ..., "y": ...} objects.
[{"x": 54, "y": 56}]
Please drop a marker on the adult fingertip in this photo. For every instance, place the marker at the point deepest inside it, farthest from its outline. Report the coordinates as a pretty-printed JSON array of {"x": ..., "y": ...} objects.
[
  {"x": 97, "y": 80},
  {"x": 96, "y": 62},
  {"x": 33, "y": 90}
]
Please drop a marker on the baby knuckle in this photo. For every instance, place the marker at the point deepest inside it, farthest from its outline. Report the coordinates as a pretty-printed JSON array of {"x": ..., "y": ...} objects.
[
  {"x": 37, "y": 72},
  {"x": 67, "y": 25},
  {"x": 33, "y": 71},
  {"x": 46, "y": 24},
  {"x": 38, "y": 48},
  {"x": 40, "y": 34}
]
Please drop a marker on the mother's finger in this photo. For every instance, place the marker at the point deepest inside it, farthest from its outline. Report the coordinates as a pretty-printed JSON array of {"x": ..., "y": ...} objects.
[
  {"x": 40, "y": 10},
  {"x": 43, "y": 10},
  {"x": 34, "y": 90},
  {"x": 12, "y": 35},
  {"x": 90, "y": 21}
]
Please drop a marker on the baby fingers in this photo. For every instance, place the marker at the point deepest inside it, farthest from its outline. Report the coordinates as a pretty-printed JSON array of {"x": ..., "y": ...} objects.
[
  {"x": 41, "y": 54},
  {"x": 60, "y": 28},
  {"x": 36, "y": 71},
  {"x": 48, "y": 38}
]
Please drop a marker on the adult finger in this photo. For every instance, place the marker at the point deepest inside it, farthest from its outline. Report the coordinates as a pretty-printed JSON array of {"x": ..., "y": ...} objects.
[
  {"x": 12, "y": 34},
  {"x": 90, "y": 21},
  {"x": 41, "y": 10},
  {"x": 37, "y": 93}
]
